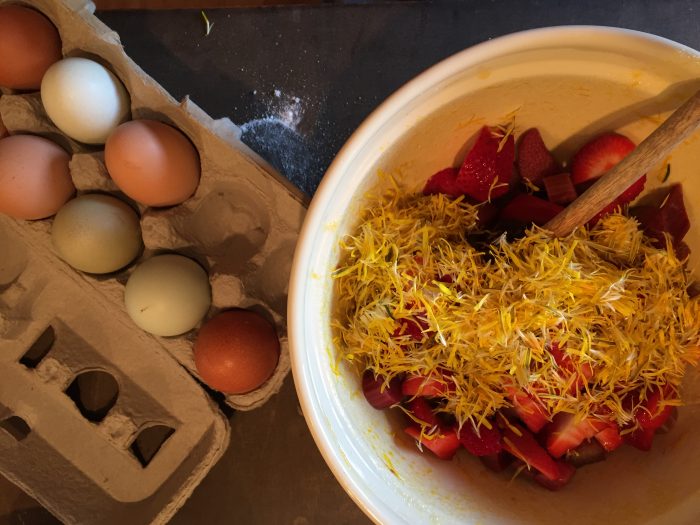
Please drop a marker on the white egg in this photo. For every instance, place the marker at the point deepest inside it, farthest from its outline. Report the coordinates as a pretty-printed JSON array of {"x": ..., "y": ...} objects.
[
  {"x": 168, "y": 295},
  {"x": 84, "y": 99}
]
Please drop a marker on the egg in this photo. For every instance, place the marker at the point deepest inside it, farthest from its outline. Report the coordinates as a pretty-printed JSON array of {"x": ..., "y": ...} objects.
[
  {"x": 34, "y": 177},
  {"x": 84, "y": 99},
  {"x": 167, "y": 295},
  {"x": 236, "y": 351},
  {"x": 96, "y": 233},
  {"x": 152, "y": 162},
  {"x": 29, "y": 44}
]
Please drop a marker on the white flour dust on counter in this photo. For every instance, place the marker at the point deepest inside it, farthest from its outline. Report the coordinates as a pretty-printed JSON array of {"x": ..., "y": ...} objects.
[{"x": 277, "y": 137}]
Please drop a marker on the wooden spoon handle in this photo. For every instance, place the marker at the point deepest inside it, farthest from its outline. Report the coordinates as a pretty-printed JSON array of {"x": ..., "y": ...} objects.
[{"x": 648, "y": 154}]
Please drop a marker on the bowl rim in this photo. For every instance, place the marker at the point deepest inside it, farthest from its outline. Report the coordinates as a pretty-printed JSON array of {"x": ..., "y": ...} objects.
[{"x": 470, "y": 56}]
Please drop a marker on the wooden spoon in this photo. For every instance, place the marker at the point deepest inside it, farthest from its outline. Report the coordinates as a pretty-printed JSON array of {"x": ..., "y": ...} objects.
[{"x": 648, "y": 154}]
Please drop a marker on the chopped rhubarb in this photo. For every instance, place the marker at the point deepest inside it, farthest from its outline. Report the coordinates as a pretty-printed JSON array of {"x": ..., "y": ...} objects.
[
  {"x": 481, "y": 442},
  {"x": 535, "y": 161},
  {"x": 444, "y": 181},
  {"x": 379, "y": 394},
  {"x": 565, "y": 472},
  {"x": 497, "y": 462},
  {"x": 444, "y": 443},
  {"x": 559, "y": 188},
  {"x": 487, "y": 169},
  {"x": 590, "y": 451},
  {"x": 670, "y": 218},
  {"x": 526, "y": 209}
]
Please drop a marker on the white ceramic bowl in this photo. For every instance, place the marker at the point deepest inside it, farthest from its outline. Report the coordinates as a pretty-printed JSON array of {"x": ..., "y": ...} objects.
[{"x": 571, "y": 82}]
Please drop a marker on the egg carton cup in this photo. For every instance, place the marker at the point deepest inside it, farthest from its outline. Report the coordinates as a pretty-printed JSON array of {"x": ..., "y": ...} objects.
[{"x": 241, "y": 225}]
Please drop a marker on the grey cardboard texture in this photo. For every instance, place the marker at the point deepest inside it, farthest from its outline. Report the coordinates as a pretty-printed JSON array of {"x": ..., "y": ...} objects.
[{"x": 139, "y": 459}]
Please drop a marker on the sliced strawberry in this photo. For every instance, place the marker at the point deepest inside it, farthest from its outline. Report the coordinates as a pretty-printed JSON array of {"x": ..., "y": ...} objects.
[
  {"x": 583, "y": 373},
  {"x": 559, "y": 188},
  {"x": 421, "y": 410},
  {"x": 497, "y": 462},
  {"x": 486, "y": 172},
  {"x": 609, "y": 437},
  {"x": 444, "y": 181},
  {"x": 651, "y": 415},
  {"x": 527, "y": 209},
  {"x": 598, "y": 156},
  {"x": 565, "y": 471},
  {"x": 528, "y": 409},
  {"x": 435, "y": 385},
  {"x": 444, "y": 444},
  {"x": 641, "y": 438},
  {"x": 519, "y": 442},
  {"x": 484, "y": 442},
  {"x": 378, "y": 394},
  {"x": 623, "y": 199},
  {"x": 534, "y": 159},
  {"x": 566, "y": 432}
]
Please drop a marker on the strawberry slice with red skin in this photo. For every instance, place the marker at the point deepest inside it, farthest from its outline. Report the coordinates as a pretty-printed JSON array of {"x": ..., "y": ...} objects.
[
  {"x": 528, "y": 409},
  {"x": 434, "y": 385},
  {"x": 565, "y": 471},
  {"x": 535, "y": 161},
  {"x": 610, "y": 437},
  {"x": 559, "y": 188},
  {"x": 486, "y": 172},
  {"x": 520, "y": 442},
  {"x": 527, "y": 209},
  {"x": 379, "y": 395},
  {"x": 444, "y": 443},
  {"x": 641, "y": 439},
  {"x": 481, "y": 442},
  {"x": 423, "y": 411},
  {"x": 444, "y": 181},
  {"x": 566, "y": 432},
  {"x": 598, "y": 156},
  {"x": 650, "y": 416}
]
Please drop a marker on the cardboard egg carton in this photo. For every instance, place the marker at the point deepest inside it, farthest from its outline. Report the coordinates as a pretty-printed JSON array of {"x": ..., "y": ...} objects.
[{"x": 65, "y": 337}]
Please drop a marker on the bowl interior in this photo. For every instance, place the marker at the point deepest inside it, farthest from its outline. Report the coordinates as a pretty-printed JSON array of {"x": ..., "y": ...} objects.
[{"x": 571, "y": 83}]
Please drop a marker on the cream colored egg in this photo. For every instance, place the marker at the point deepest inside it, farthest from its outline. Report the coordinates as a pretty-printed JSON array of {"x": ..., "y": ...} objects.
[
  {"x": 96, "y": 233},
  {"x": 84, "y": 99},
  {"x": 168, "y": 295}
]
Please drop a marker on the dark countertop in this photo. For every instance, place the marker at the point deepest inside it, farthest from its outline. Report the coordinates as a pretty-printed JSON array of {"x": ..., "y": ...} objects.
[{"x": 298, "y": 80}]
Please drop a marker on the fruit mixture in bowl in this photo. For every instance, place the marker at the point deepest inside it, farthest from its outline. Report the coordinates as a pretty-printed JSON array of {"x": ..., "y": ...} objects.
[{"x": 533, "y": 352}]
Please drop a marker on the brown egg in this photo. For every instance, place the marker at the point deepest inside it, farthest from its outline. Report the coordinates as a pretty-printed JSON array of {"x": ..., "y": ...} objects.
[
  {"x": 29, "y": 44},
  {"x": 152, "y": 162},
  {"x": 236, "y": 351},
  {"x": 34, "y": 177}
]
